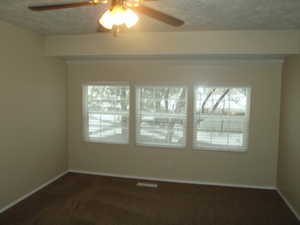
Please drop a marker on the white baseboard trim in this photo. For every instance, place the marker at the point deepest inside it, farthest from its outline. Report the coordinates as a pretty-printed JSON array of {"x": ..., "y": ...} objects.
[
  {"x": 288, "y": 204},
  {"x": 32, "y": 192},
  {"x": 172, "y": 180}
]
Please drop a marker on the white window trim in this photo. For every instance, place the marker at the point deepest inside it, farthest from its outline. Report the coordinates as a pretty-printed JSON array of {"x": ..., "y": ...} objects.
[
  {"x": 167, "y": 146},
  {"x": 240, "y": 149},
  {"x": 85, "y": 136}
]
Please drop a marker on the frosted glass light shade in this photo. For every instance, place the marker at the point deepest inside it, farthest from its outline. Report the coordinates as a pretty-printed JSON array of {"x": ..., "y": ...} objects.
[{"x": 118, "y": 15}]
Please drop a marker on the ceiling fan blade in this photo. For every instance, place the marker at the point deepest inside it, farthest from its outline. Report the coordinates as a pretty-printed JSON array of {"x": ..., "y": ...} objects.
[
  {"x": 173, "y": 21},
  {"x": 67, "y": 5}
]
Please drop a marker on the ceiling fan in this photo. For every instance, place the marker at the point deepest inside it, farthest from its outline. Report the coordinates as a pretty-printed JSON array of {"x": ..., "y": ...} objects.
[{"x": 120, "y": 15}]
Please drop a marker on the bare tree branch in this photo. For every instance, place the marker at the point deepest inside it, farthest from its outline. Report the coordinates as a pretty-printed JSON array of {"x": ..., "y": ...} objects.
[
  {"x": 166, "y": 96},
  {"x": 179, "y": 104},
  {"x": 206, "y": 99},
  {"x": 220, "y": 99}
]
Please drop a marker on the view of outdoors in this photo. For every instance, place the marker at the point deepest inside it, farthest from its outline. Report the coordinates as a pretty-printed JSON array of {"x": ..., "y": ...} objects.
[
  {"x": 107, "y": 113},
  {"x": 161, "y": 116},
  {"x": 220, "y": 117}
]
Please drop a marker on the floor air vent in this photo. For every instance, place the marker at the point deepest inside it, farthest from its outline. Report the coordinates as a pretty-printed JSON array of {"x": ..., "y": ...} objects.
[{"x": 151, "y": 185}]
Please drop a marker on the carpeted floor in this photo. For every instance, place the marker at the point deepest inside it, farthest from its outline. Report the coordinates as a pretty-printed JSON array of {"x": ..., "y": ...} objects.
[{"x": 77, "y": 199}]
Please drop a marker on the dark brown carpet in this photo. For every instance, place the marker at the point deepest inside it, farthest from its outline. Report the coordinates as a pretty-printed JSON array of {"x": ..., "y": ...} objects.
[{"x": 77, "y": 199}]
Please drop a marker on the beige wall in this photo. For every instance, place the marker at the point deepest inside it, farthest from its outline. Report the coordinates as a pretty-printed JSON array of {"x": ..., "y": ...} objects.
[
  {"x": 289, "y": 155},
  {"x": 255, "y": 167},
  {"x": 32, "y": 114}
]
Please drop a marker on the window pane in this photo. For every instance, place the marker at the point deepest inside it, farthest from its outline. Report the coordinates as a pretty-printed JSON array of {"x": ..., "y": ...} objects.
[
  {"x": 222, "y": 101},
  {"x": 161, "y": 116},
  {"x": 221, "y": 117},
  {"x": 107, "y": 111}
]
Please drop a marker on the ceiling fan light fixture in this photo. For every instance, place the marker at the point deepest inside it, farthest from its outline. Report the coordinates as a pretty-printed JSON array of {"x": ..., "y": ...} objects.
[
  {"x": 118, "y": 15},
  {"x": 133, "y": 3},
  {"x": 131, "y": 18}
]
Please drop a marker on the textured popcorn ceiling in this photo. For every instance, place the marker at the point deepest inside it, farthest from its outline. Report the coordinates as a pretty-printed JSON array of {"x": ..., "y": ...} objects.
[{"x": 198, "y": 15}]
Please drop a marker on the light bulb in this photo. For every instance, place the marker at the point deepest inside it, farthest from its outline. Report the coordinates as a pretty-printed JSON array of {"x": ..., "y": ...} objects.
[
  {"x": 130, "y": 18},
  {"x": 118, "y": 15},
  {"x": 106, "y": 20}
]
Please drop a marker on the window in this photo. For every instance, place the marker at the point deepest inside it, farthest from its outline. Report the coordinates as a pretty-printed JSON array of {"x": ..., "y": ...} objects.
[
  {"x": 161, "y": 116},
  {"x": 106, "y": 113},
  {"x": 221, "y": 117}
]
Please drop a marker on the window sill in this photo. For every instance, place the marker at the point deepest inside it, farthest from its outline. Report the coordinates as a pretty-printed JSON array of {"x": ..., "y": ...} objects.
[
  {"x": 159, "y": 147},
  {"x": 220, "y": 149},
  {"x": 104, "y": 142}
]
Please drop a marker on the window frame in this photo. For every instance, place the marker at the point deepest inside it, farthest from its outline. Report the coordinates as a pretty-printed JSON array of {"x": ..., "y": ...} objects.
[
  {"x": 85, "y": 111},
  {"x": 185, "y": 132},
  {"x": 228, "y": 148}
]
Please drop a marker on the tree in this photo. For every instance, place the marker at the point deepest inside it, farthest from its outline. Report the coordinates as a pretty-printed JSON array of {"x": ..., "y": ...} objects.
[
  {"x": 216, "y": 105},
  {"x": 124, "y": 104},
  {"x": 206, "y": 99},
  {"x": 179, "y": 105}
]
